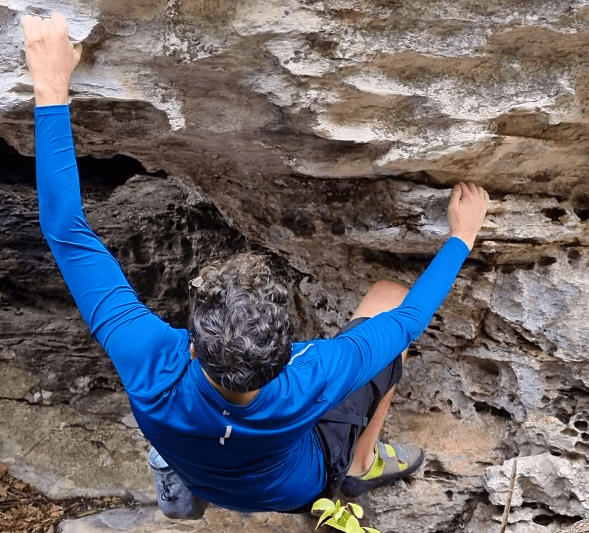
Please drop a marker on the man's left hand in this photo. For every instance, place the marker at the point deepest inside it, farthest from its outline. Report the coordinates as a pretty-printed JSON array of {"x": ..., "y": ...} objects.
[{"x": 51, "y": 57}]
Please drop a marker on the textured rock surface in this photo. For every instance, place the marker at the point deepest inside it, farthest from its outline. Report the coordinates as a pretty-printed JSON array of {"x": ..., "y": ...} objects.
[
  {"x": 151, "y": 520},
  {"x": 553, "y": 481},
  {"x": 326, "y": 134}
]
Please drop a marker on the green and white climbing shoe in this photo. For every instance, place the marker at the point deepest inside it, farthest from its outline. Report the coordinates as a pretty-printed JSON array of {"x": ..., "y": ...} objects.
[{"x": 391, "y": 462}]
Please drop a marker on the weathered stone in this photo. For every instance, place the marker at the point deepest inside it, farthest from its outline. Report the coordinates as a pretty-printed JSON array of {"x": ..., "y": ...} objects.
[
  {"x": 327, "y": 134},
  {"x": 456, "y": 455},
  {"x": 554, "y": 482},
  {"x": 151, "y": 520},
  {"x": 487, "y": 519},
  {"x": 65, "y": 454},
  {"x": 540, "y": 434}
]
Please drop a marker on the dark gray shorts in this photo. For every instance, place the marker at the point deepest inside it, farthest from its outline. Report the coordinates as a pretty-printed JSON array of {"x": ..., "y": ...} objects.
[{"x": 339, "y": 430}]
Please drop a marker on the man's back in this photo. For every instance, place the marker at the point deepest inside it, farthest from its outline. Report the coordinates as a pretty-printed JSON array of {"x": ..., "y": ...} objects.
[{"x": 260, "y": 456}]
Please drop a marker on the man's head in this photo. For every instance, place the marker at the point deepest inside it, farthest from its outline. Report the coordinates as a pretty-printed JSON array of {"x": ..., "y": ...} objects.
[{"x": 239, "y": 324}]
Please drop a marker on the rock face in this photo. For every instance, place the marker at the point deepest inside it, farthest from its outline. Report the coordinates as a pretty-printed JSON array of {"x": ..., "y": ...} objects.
[
  {"x": 553, "y": 481},
  {"x": 325, "y": 134}
]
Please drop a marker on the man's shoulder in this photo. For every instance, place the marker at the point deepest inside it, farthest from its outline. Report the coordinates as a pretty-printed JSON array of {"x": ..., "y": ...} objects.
[
  {"x": 302, "y": 352},
  {"x": 306, "y": 352}
]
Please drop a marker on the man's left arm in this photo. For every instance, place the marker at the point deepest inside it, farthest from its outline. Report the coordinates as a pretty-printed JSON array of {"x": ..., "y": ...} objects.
[
  {"x": 51, "y": 58},
  {"x": 142, "y": 347}
]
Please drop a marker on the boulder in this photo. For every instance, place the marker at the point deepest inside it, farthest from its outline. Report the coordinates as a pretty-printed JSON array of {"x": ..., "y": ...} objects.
[{"x": 326, "y": 135}]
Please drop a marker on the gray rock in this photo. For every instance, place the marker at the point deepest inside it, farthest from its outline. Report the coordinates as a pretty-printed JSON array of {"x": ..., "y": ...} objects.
[
  {"x": 130, "y": 520},
  {"x": 325, "y": 134},
  {"x": 151, "y": 520},
  {"x": 554, "y": 482}
]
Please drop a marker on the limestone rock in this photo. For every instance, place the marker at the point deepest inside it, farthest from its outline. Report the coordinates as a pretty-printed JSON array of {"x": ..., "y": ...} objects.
[
  {"x": 151, "y": 520},
  {"x": 554, "y": 482},
  {"x": 487, "y": 518},
  {"x": 325, "y": 134},
  {"x": 65, "y": 454},
  {"x": 541, "y": 434}
]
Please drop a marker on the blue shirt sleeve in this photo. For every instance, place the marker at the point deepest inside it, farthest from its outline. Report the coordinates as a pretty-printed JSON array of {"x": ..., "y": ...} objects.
[
  {"x": 354, "y": 358},
  {"x": 147, "y": 353}
]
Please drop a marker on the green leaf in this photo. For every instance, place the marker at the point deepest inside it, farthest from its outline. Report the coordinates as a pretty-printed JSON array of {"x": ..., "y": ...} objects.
[
  {"x": 339, "y": 514},
  {"x": 331, "y": 522},
  {"x": 338, "y": 505},
  {"x": 356, "y": 509},
  {"x": 352, "y": 525},
  {"x": 323, "y": 504},
  {"x": 326, "y": 514},
  {"x": 371, "y": 529}
]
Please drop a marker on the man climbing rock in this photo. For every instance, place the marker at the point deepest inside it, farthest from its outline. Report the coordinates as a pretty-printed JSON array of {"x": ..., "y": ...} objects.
[{"x": 237, "y": 413}]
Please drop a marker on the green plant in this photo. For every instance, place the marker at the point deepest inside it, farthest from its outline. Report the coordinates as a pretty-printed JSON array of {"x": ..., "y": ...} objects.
[{"x": 342, "y": 517}]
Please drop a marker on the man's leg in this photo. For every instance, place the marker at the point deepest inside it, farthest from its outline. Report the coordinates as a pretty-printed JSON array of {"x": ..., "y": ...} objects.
[
  {"x": 173, "y": 497},
  {"x": 382, "y": 296}
]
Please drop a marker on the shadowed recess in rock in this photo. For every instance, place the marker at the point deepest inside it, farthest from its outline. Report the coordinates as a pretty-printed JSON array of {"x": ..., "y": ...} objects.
[{"x": 95, "y": 174}]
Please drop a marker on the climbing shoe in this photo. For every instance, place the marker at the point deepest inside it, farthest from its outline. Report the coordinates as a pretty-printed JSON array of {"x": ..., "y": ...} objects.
[
  {"x": 173, "y": 497},
  {"x": 391, "y": 462}
]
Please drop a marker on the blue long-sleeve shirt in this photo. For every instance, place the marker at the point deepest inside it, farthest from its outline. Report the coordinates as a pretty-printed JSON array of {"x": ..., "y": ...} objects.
[{"x": 260, "y": 456}]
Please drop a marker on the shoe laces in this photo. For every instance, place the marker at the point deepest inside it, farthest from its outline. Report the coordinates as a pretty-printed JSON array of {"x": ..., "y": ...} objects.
[{"x": 165, "y": 492}]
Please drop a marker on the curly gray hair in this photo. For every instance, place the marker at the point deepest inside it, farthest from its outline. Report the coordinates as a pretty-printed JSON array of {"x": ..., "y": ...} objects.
[{"x": 239, "y": 324}]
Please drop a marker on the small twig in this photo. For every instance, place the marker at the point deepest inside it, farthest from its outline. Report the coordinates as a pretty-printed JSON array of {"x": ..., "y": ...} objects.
[
  {"x": 32, "y": 448},
  {"x": 7, "y": 505},
  {"x": 15, "y": 493},
  {"x": 508, "y": 499}
]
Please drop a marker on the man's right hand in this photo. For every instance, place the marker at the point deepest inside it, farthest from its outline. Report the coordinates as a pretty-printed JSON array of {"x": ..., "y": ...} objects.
[
  {"x": 466, "y": 212},
  {"x": 51, "y": 57}
]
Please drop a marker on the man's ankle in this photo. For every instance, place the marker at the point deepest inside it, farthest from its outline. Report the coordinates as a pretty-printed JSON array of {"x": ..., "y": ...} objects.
[{"x": 359, "y": 470}]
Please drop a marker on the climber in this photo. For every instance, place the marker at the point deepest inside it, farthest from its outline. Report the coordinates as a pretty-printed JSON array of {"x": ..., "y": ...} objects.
[{"x": 237, "y": 413}]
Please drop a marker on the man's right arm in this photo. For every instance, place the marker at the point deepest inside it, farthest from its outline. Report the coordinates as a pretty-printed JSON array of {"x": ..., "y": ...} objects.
[
  {"x": 466, "y": 212},
  {"x": 354, "y": 358}
]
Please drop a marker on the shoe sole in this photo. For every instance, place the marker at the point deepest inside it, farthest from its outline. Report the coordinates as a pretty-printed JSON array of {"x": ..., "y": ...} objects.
[{"x": 353, "y": 487}]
